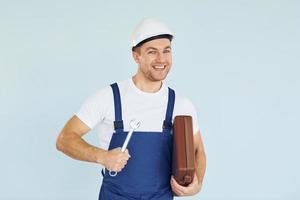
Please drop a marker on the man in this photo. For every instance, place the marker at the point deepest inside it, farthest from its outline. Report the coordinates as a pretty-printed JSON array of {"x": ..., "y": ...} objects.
[{"x": 144, "y": 169}]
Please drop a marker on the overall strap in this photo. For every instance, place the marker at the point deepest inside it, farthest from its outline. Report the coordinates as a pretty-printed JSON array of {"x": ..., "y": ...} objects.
[
  {"x": 167, "y": 125},
  {"x": 118, "y": 123}
]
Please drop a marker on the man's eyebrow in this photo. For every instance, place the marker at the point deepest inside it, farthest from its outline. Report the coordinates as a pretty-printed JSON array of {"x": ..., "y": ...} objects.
[{"x": 152, "y": 48}]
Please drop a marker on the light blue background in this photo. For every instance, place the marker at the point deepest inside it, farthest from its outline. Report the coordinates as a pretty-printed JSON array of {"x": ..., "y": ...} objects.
[{"x": 238, "y": 61}]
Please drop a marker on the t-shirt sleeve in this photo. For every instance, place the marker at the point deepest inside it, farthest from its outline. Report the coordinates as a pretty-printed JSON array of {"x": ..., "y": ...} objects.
[
  {"x": 190, "y": 109},
  {"x": 93, "y": 108}
]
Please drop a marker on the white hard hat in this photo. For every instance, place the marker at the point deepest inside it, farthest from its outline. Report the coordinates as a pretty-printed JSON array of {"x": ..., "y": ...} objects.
[{"x": 149, "y": 28}]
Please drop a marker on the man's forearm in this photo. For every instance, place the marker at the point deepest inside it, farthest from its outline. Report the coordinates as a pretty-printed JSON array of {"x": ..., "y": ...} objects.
[
  {"x": 200, "y": 159},
  {"x": 74, "y": 146}
]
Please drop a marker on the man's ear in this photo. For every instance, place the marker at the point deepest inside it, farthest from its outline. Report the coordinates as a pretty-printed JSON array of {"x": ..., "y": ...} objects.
[{"x": 135, "y": 56}]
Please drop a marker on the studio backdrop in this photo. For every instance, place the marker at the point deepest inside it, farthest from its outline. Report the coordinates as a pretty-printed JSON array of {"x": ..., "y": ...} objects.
[{"x": 238, "y": 61}]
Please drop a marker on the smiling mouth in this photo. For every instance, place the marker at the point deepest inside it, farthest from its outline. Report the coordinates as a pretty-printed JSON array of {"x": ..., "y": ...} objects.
[{"x": 159, "y": 67}]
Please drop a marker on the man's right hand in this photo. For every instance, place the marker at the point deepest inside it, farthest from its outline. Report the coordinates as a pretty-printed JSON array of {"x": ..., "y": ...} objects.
[{"x": 115, "y": 159}]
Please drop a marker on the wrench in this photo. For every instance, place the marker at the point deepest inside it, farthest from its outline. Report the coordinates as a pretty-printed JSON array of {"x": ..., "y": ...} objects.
[{"x": 133, "y": 126}]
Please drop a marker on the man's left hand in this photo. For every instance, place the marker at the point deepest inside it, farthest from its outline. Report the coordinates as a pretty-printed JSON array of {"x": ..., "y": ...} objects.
[{"x": 192, "y": 189}]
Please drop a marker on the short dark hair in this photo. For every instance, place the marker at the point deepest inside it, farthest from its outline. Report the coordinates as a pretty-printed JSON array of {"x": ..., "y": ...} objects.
[{"x": 168, "y": 36}]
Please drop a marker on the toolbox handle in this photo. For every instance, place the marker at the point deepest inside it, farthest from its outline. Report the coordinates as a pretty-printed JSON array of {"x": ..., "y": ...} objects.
[{"x": 187, "y": 179}]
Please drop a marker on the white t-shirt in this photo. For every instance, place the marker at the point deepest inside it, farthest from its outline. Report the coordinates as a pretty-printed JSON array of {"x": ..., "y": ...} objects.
[{"x": 98, "y": 112}]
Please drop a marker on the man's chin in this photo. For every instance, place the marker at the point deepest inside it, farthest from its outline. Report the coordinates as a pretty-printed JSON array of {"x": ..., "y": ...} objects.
[{"x": 159, "y": 78}]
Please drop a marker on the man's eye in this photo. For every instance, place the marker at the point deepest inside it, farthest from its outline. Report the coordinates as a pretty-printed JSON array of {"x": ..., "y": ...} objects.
[
  {"x": 167, "y": 51},
  {"x": 151, "y": 52}
]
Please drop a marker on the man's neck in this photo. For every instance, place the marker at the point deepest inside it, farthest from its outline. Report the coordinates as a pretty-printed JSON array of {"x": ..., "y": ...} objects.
[{"x": 146, "y": 85}]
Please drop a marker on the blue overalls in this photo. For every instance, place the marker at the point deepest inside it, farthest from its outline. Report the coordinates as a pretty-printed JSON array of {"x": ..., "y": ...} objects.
[{"x": 147, "y": 173}]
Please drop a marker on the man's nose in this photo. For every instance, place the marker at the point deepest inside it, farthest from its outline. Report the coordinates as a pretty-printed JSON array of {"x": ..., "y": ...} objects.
[{"x": 160, "y": 57}]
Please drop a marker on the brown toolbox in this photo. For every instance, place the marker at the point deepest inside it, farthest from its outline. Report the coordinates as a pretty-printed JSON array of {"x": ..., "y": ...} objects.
[{"x": 183, "y": 150}]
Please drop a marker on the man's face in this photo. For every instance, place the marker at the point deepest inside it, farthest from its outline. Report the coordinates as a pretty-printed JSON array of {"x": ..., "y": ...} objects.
[{"x": 154, "y": 59}]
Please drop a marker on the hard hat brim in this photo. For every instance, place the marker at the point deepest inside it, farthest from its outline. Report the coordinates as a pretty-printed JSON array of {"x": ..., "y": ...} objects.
[{"x": 167, "y": 36}]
